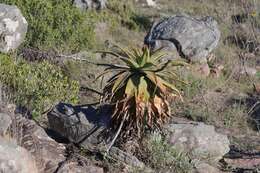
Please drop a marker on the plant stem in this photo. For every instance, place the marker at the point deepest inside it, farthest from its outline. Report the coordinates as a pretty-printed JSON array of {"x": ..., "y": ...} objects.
[{"x": 117, "y": 133}]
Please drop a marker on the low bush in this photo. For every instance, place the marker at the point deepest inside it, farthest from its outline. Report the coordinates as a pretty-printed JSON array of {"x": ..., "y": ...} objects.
[
  {"x": 36, "y": 86},
  {"x": 56, "y": 24}
]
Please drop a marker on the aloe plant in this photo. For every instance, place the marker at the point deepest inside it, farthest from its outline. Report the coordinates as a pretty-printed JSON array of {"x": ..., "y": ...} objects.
[{"x": 140, "y": 89}]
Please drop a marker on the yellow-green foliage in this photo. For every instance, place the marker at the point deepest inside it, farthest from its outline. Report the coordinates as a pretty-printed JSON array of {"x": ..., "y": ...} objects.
[
  {"x": 56, "y": 24},
  {"x": 37, "y": 86}
]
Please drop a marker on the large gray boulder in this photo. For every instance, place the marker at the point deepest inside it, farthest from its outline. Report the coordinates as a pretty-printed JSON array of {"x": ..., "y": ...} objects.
[
  {"x": 13, "y": 28},
  {"x": 192, "y": 38},
  {"x": 15, "y": 159},
  {"x": 201, "y": 141},
  {"x": 90, "y": 4}
]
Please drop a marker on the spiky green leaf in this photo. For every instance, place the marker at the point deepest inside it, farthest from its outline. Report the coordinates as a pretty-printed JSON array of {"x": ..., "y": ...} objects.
[
  {"x": 143, "y": 92},
  {"x": 119, "y": 82}
]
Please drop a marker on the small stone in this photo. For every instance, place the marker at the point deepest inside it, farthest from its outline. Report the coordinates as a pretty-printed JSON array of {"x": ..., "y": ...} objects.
[
  {"x": 202, "y": 69},
  {"x": 216, "y": 71}
]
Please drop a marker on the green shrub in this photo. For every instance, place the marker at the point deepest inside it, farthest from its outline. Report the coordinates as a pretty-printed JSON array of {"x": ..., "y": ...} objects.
[
  {"x": 56, "y": 24},
  {"x": 37, "y": 86}
]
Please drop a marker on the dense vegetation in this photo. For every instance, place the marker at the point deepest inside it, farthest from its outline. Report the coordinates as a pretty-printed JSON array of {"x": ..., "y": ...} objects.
[{"x": 36, "y": 86}]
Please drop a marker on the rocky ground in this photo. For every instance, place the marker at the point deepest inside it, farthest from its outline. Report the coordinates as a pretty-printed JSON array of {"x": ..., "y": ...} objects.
[{"x": 214, "y": 129}]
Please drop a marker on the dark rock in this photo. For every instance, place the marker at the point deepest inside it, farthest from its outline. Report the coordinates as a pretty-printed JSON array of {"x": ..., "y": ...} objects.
[
  {"x": 192, "y": 38},
  {"x": 85, "y": 126},
  {"x": 13, "y": 27},
  {"x": 79, "y": 124}
]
